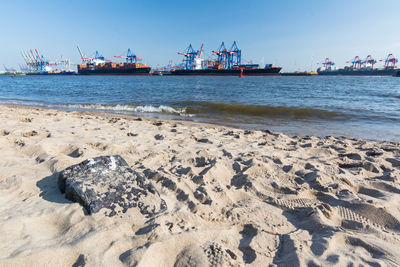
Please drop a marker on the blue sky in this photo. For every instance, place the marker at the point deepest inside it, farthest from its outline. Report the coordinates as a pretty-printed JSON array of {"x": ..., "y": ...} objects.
[{"x": 293, "y": 34}]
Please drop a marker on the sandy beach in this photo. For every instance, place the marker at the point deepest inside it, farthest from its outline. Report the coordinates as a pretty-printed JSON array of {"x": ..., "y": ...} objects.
[{"x": 232, "y": 197}]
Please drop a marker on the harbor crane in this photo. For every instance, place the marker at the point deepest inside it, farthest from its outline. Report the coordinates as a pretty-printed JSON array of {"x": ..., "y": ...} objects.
[
  {"x": 356, "y": 63},
  {"x": 390, "y": 62},
  {"x": 369, "y": 60},
  {"x": 190, "y": 55},
  {"x": 221, "y": 55},
  {"x": 96, "y": 59},
  {"x": 36, "y": 62},
  {"x": 9, "y": 69},
  {"x": 327, "y": 64},
  {"x": 130, "y": 57},
  {"x": 228, "y": 58},
  {"x": 235, "y": 55},
  {"x": 84, "y": 58}
]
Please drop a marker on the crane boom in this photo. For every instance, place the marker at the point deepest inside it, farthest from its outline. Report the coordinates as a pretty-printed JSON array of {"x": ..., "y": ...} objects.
[
  {"x": 40, "y": 58},
  {"x": 201, "y": 50},
  {"x": 80, "y": 52},
  {"x": 26, "y": 60},
  {"x": 30, "y": 57},
  {"x": 34, "y": 57}
]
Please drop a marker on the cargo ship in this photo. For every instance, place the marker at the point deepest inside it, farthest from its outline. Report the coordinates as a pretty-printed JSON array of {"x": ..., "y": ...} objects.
[
  {"x": 228, "y": 62},
  {"x": 98, "y": 65},
  {"x": 360, "y": 67},
  {"x": 299, "y": 73},
  {"x": 55, "y": 72},
  {"x": 245, "y": 69}
]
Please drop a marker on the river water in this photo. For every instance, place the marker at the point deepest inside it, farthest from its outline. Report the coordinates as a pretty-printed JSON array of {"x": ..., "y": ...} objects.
[{"x": 365, "y": 107}]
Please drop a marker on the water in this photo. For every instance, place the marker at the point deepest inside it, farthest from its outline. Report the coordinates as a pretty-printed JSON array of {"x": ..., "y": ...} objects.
[{"x": 366, "y": 107}]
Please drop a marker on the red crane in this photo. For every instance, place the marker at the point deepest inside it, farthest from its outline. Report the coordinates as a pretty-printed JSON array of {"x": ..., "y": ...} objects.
[
  {"x": 370, "y": 60},
  {"x": 356, "y": 63},
  {"x": 390, "y": 62}
]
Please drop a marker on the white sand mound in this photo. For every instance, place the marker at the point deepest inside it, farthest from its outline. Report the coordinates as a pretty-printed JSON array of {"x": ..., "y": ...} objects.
[{"x": 234, "y": 197}]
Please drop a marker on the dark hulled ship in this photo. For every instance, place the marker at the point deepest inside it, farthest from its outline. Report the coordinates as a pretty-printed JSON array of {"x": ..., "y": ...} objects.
[
  {"x": 228, "y": 62},
  {"x": 111, "y": 68},
  {"x": 252, "y": 70},
  {"x": 360, "y": 67},
  {"x": 98, "y": 65},
  {"x": 348, "y": 71}
]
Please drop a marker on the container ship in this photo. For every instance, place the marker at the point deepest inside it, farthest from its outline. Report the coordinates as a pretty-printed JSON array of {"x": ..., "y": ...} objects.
[
  {"x": 228, "y": 62},
  {"x": 360, "y": 67},
  {"x": 37, "y": 64},
  {"x": 98, "y": 65}
]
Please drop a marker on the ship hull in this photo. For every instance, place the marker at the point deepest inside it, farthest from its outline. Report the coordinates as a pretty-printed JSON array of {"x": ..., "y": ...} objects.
[
  {"x": 387, "y": 72},
  {"x": 52, "y": 73},
  {"x": 229, "y": 72},
  {"x": 111, "y": 71}
]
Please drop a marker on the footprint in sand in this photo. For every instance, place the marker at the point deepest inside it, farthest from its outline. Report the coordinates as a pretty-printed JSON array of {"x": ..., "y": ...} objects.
[
  {"x": 19, "y": 142},
  {"x": 395, "y": 162},
  {"x": 99, "y": 146},
  {"x": 29, "y": 134},
  {"x": 27, "y": 120}
]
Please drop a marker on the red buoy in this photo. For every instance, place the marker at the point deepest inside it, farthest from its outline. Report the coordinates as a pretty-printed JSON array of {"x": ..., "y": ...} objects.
[{"x": 241, "y": 73}]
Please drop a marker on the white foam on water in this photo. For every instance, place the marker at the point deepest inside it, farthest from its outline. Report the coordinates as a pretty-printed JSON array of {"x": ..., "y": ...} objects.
[{"x": 134, "y": 108}]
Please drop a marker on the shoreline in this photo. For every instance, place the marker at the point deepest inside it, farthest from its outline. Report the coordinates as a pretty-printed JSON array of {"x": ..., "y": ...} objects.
[
  {"x": 233, "y": 197},
  {"x": 290, "y": 128}
]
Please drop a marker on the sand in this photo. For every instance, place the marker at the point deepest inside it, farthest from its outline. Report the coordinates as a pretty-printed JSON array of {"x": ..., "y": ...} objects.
[{"x": 234, "y": 197}]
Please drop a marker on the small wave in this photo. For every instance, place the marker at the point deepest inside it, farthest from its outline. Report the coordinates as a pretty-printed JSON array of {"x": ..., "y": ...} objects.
[
  {"x": 131, "y": 108},
  {"x": 262, "y": 111}
]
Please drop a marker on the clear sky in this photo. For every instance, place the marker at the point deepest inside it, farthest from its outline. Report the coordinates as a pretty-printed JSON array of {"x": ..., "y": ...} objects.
[{"x": 294, "y": 34}]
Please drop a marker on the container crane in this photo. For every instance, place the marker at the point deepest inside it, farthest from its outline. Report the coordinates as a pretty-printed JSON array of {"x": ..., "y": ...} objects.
[
  {"x": 327, "y": 64},
  {"x": 356, "y": 63},
  {"x": 130, "y": 57},
  {"x": 235, "y": 55},
  {"x": 84, "y": 58},
  {"x": 228, "y": 58},
  {"x": 23, "y": 68},
  {"x": 96, "y": 59},
  {"x": 36, "y": 61},
  {"x": 221, "y": 55},
  {"x": 390, "y": 62},
  {"x": 369, "y": 60},
  {"x": 190, "y": 54},
  {"x": 9, "y": 69}
]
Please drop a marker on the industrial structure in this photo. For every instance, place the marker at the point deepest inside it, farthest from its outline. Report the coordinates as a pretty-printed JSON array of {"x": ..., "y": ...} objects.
[
  {"x": 390, "y": 62},
  {"x": 9, "y": 70},
  {"x": 227, "y": 62},
  {"x": 228, "y": 58},
  {"x": 361, "y": 67},
  {"x": 369, "y": 62},
  {"x": 99, "y": 65},
  {"x": 37, "y": 64},
  {"x": 356, "y": 63},
  {"x": 130, "y": 57},
  {"x": 192, "y": 58},
  {"x": 222, "y": 61},
  {"x": 327, "y": 65}
]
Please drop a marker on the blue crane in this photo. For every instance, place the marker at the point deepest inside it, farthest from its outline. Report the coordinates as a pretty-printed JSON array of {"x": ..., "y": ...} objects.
[
  {"x": 190, "y": 54},
  {"x": 130, "y": 57}
]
